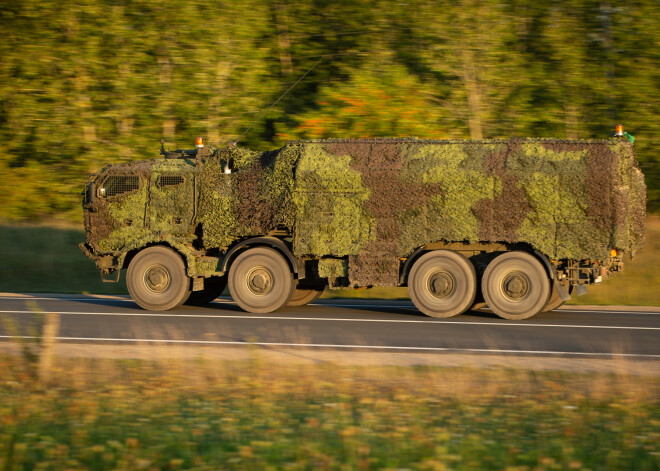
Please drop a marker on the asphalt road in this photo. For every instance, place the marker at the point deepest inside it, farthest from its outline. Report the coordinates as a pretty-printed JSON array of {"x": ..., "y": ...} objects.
[{"x": 359, "y": 325}]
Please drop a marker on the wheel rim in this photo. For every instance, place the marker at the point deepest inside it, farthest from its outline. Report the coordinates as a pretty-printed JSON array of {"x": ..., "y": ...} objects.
[
  {"x": 441, "y": 284},
  {"x": 515, "y": 286},
  {"x": 259, "y": 280},
  {"x": 157, "y": 278}
]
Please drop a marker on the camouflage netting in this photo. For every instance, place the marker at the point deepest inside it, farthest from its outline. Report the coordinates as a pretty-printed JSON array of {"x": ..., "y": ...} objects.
[
  {"x": 253, "y": 200},
  {"x": 378, "y": 200}
]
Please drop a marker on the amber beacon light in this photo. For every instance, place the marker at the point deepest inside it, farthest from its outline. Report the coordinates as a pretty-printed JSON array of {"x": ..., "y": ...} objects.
[
  {"x": 199, "y": 142},
  {"x": 619, "y": 130}
]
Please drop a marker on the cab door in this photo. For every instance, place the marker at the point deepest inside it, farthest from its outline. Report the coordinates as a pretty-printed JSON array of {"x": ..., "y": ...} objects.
[{"x": 172, "y": 201}]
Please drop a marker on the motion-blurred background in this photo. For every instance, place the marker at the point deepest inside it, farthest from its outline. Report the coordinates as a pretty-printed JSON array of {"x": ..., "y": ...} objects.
[{"x": 85, "y": 83}]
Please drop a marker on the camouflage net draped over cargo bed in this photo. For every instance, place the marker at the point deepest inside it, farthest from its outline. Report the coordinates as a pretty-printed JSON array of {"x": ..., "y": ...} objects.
[{"x": 378, "y": 200}]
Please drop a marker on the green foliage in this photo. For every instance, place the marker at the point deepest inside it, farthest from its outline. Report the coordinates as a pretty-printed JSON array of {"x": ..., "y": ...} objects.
[
  {"x": 260, "y": 414},
  {"x": 86, "y": 83},
  {"x": 381, "y": 99}
]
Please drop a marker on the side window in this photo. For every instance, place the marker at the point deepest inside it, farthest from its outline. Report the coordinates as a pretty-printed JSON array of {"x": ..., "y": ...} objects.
[
  {"x": 118, "y": 185},
  {"x": 165, "y": 181}
]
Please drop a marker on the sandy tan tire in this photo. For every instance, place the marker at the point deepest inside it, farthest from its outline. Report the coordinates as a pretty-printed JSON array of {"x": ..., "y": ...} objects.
[
  {"x": 156, "y": 279},
  {"x": 516, "y": 285},
  {"x": 442, "y": 283},
  {"x": 260, "y": 280},
  {"x": 302, "y": 296},
  {"x": 213, "y": 287}
]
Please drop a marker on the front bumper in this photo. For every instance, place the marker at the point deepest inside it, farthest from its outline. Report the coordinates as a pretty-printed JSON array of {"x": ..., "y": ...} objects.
[{"x": 108, "y": 264}]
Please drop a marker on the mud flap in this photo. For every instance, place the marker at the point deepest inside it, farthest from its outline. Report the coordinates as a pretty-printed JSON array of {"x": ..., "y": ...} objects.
[
  {"x": 562, "y": 290},
  {"x": 580, "y": 290}
]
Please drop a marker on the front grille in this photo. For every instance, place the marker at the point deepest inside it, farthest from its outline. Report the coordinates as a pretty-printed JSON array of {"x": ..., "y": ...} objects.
[{"x": 169, "y": 180}]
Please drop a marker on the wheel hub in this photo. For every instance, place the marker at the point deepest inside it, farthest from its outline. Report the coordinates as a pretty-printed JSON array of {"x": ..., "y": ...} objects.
[
  {"x": 260, "y": 281},
  {"x": 157, "y": 278},
  {"x": 441, "y": 284},
  {"x": 515, "y": 285}
]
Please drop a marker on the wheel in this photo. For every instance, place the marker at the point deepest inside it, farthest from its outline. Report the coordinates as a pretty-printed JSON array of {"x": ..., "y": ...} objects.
[
  {"x": 555, "y": 300},
  {"x": 260, "y": 280},
  {"x": 516, "y": 285},
  {"x": 442, "y": 283},
  {"x": 157, "y": 280},
  {"x": 213, "y": 287},
  {"x": 304, "y": 295}
]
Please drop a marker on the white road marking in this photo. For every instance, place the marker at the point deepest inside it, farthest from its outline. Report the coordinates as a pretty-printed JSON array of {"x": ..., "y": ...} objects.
[
  {"x": 579, "y": 311},
  {"x": 247, "y": 316},
  {"x": 364, "y": 347},
  {"x": 91, "y": 298},
  {"x": 397, "y": 306}
]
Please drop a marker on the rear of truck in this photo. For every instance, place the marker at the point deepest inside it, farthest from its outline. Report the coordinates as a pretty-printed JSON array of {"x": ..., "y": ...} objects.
[{"x": 613, "y": 225}]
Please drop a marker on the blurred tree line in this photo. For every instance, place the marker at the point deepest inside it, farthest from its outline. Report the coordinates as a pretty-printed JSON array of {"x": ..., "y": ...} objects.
[{"x": 91, "y": 82}]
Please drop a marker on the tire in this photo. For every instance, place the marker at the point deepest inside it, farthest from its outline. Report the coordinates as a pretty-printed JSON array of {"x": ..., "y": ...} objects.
[
  {"x": 442, "y": 283},
  {"x": 302, "y": 296},
  {"x": 516, "y": 285},
  {"x": 260, "y": 280},
  {"x": 213, "y": 287},
  {"x": 157, "y": 280},
  {"x": 555, "y": 300}
]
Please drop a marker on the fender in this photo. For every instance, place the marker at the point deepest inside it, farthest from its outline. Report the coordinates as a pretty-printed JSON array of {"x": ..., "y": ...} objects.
[
  {"x": 182, "y": 249},
  {"x": 546, "y": 262},
  {"x": 273, "y": 242},
  {"x": 403, "y": 276}
]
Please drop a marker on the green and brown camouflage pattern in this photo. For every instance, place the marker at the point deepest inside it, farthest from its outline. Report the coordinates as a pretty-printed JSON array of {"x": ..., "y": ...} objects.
[{"x": 373, "y": 202}]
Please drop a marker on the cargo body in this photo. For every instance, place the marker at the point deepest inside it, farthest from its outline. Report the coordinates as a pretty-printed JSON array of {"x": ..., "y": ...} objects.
[{"x": 435, "y": 216}]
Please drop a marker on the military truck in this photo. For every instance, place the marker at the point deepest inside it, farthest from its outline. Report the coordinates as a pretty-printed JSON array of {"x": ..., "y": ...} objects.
[{"x": 512, "y": 224}]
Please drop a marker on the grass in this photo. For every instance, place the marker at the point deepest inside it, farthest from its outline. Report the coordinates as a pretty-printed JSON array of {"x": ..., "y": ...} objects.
[
  {"x": 121, "y": 415},
  {"x": 47, "y": 259},
  {"x": 43, "y": 259}
]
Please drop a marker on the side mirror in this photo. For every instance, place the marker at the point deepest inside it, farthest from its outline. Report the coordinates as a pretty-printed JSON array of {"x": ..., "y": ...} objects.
[{"x": 90, "y": 194}]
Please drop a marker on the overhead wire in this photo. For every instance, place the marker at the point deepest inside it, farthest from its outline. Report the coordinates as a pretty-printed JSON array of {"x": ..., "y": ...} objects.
[{"x": 276, "y": 102}]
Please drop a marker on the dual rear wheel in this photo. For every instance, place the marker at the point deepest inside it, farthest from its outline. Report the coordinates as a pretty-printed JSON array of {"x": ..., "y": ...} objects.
[{"x": 443, "y": 283}]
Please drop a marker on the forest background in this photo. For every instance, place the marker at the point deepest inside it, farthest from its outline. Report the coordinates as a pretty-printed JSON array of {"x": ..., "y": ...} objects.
[{"x": 91, "y": 82}]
